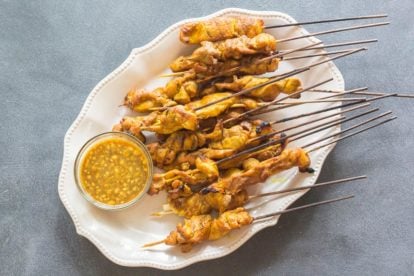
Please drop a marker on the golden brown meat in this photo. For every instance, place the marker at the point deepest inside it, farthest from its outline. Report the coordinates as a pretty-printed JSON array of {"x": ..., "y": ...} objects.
[
  {"x": 206, "y": 172},
  {"x": 265, "y": 93},
  {"x": 173, "y": 87},
  {"x": 220, "y": 28},
  {"x": 164, "y": 153},
  {"x": 215, "y": 109},
  {"x": 202, "y": 228},
  {"x": 141, "y": 100},
  {"x": 193, "y": 231},
  {"x": 187, "y": 207},
  {"x": 211, "y": 52},
  {"x": 197, "y": 204},
  {"x": 173, "y": 119},
  {"x": 133, "y": 125},
  {"x": 224, "y": 142},
  {"x": 260, "y": 155},
  {"x": 228, "y": 221},
  {"x": 248, "y": 65},
  {"x": 288, "y": 159},
  {"x": 166, "y": 122}
]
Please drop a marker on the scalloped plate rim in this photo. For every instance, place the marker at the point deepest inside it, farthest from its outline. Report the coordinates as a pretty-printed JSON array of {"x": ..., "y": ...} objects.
[{"x": 134, "y": 53}]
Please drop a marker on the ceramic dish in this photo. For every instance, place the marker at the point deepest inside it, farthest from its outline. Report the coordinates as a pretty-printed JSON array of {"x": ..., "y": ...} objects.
[{"x": 119, "y": 235}]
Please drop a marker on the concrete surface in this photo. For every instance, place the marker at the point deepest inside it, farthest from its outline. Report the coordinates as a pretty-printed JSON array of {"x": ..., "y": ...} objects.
[{"x": 52, "y": 53}]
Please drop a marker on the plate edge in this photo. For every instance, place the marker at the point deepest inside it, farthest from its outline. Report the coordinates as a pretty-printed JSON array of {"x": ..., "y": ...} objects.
[{"x": 135, "y": 52}]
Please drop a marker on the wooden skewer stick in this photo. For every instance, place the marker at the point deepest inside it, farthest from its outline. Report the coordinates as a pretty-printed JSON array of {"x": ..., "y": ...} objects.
[
  {"x": 323, "y": 110},
  {"x": 307, "y": 123},
  {"x": 174, "y": 74},
  {"x": 326, "y": 21},
  {"x": 356, "y": 42},
  {"x": 364, "y": 93},
  {"x": 245, "y": 91},
  {"x": 342, "y": 131},
  {"x": 346, "y": 92},
  {"x": 150, "y": 244},
  {"x": 318, "y": 55},
  {"x": 331, "y": 31},
  {"x": 302, "y": 207},
  {"x": 286, "y": 104},
  {"x": 352, "y": 134},
  {"x": 340, "y": 122},
  {"x": 300, "y": 134},
  {"x": 327, "y": 60},
  {"x": 274, "y": 214},
  {"x": 337, "y": 57},
  {"x": 323, "y": 184},
  {"x": 281, "y": 55},
  {"x": 293, "y": 103}
]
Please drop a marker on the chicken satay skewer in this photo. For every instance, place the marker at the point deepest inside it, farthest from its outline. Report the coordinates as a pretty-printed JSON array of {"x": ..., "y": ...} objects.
[
  {"x": 245, "y": 91},
  {"x": 221, "y": 28},
  {"x": 237, "y": 224},
  {"x": 283, "y": 53},
  {"x": 265, "y": 105},
  {"x": 205, "y": 61}
]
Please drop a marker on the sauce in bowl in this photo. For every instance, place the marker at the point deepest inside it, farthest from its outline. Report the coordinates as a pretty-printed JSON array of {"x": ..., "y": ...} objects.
[{"x": 113, "y": 170}]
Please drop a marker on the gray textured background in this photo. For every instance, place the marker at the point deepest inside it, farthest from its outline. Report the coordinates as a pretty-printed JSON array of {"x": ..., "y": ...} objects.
[{"x": 52, "y": 53}]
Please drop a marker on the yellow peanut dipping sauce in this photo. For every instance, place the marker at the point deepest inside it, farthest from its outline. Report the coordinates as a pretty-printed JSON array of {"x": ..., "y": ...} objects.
[{"x": 114, "y": 170}]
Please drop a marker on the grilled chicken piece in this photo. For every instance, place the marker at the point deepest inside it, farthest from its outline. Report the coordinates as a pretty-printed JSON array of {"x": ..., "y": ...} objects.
[
  {"x": 211, "y": 52},
  {"x": 202, "y": 228},
  {"x": 288, "y": 159},
  {"x": 220, "y": 28}
]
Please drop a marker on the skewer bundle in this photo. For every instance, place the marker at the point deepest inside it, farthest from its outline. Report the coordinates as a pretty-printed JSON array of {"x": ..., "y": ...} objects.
[{"x": 211, "y": 144}]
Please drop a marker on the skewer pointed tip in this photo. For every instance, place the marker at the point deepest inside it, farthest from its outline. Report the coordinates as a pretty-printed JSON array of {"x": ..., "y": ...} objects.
[{"x": 152, "y": 243}]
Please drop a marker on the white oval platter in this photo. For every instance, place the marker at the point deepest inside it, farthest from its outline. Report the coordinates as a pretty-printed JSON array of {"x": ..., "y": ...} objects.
[{"x": 119, "y": 235}]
